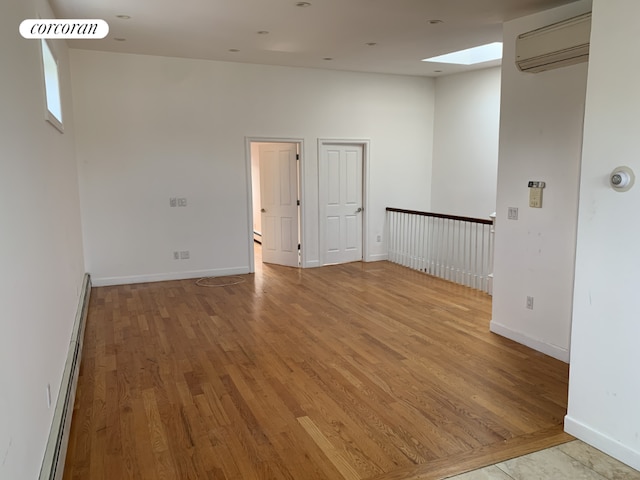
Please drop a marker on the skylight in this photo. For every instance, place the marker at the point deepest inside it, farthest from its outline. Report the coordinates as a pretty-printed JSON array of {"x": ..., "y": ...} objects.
[{"x": 471, "y": 56}]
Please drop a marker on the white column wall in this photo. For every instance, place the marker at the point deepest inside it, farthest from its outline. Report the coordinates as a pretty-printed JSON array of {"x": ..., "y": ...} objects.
[
  {"x": 604, "y": 385},
  {"x": 540, "y": 139}
]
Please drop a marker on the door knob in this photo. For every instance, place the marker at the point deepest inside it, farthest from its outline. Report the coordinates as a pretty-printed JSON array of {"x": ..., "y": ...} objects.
[
  {"x": 263, "y": 210},
  {"x": 359, "y": 210}
]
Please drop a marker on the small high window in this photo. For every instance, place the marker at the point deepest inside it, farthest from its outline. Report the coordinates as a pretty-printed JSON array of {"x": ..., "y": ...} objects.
[{"x": 52, "y": 86}]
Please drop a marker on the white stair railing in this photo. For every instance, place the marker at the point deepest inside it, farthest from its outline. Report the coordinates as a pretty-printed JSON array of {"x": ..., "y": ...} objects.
[{"x": 458, "y": 249}]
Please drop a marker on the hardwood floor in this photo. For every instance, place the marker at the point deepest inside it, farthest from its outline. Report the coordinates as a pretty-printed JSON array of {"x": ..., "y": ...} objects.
[{"x": 358, "y": 371}]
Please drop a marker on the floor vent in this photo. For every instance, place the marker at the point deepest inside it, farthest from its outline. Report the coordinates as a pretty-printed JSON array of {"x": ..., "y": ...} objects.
[{"x": 54, "y": 457}]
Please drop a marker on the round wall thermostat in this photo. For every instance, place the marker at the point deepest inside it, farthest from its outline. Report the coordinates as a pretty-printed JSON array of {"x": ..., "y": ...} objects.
[{"x": 622, "y": 179}]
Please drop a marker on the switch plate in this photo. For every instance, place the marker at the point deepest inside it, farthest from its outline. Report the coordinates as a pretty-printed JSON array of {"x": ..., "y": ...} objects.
[
  {"x": 184, "y": 255},
  {"x": 530, "y": 303},
  {"x": 182, "y": 202},
  {"x": 173, "y": 202},
  {"x": 512, "y": 213}
]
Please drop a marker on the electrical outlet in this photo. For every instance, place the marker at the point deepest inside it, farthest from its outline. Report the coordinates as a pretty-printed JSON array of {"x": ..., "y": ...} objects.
[
  {"x": 184, "y": 255},
  {"x": 48, "y": 395},
  {"x": 182, "y": 202},
  {"x": 512, "y": 213},
  {"x": 173, "y": 202},
  {"x": 530, "y": 303},
  {"x": 176, "y": 255}
]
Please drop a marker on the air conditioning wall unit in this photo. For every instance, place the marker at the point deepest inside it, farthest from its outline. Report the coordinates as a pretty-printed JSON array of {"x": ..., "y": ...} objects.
[{"x": 554, "y": 46}]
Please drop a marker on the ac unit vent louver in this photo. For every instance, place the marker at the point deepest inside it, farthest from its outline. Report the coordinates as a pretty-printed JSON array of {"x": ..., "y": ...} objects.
[{"x": 558, "y": 45}]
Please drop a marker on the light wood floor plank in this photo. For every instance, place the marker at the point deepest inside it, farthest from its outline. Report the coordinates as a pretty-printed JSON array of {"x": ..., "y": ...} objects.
[
  {"x": 344, "y": 467},
  {"x": 357, "y": 371}
]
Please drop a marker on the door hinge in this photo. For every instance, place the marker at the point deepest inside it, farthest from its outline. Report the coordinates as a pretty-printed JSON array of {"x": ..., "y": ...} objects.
[
  {"x": 297, "y": 156},
  {"x": 298, "y": 246},
  {"x": 298, "y": 202}
]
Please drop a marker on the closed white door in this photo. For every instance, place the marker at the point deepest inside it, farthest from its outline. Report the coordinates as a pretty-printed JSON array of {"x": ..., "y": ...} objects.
[
  {"x": 279, "y": 203},
  {"x": 340, "y": 173}
]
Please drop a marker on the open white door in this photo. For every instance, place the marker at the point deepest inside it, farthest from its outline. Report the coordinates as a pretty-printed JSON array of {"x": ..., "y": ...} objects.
[
  {"x": 340, "y": 171},
  {"x": 279, "y": 203}
]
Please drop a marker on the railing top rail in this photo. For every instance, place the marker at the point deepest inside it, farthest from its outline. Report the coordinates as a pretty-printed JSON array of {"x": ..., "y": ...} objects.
[{"x": 441, "y": 215}]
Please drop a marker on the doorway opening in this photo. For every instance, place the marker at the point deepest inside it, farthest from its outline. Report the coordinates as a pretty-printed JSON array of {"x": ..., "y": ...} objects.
[{"x": 276, "y": 217}]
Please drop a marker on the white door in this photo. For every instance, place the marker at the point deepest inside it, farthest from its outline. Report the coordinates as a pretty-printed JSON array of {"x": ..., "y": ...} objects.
[
  {"x": 279, "y": 203},
  {"x": 340, "y": 172}
]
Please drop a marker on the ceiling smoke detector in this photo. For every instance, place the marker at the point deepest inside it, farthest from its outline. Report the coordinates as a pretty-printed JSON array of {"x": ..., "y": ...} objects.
[{"x": 303, "y": 4}]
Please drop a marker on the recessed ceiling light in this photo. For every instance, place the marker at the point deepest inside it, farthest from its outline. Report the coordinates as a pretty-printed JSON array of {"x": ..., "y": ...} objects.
[
  {"x": 303, "y": 4},
  {"x": 123, "y": 17},
  {"x": 262, "y": 32},
  {"x": 437, "y": 71},
  {"x": 119, "y": 39},
  {"x": 435, "y": 21},
  {"x": 234, "y": 50},
  {"x": 328, "y": 58},
  {"x": 470, "y": 56},
  {"x": 371, "y": 44}
]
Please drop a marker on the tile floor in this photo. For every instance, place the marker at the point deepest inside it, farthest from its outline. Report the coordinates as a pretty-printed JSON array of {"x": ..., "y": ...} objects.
[{"x": 572, "y": 461}]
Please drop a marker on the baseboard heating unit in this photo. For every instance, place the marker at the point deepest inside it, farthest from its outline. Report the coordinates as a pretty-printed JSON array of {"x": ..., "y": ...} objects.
[{"x": 54, "y": 457}]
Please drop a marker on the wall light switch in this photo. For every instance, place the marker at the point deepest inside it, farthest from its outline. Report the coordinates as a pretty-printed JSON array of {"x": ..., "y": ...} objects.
[
  {"x": 173, "y": 202},
  {"x": 182, "y": 202},
  {"x": 512, "y": 213}
]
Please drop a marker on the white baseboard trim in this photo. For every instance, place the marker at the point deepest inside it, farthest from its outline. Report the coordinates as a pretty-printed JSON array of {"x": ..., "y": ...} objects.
[
  {"x": 377, "y": 257},
  {"x": 602, "y": 442},
  {"x": 162, "y": 277},
  {"x": 56, "y": 451},
  {"x": 551, "y": 350},
  {"x": 311, "y": 264}
]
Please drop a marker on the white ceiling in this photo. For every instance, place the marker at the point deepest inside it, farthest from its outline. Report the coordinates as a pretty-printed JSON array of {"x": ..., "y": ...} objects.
[{"x": 304, "y": 37}]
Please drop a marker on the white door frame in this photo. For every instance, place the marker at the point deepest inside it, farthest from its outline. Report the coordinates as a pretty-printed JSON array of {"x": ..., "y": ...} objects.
[
  {"x": 248, "y": 141},
  {"x": 365, "y": 144}
]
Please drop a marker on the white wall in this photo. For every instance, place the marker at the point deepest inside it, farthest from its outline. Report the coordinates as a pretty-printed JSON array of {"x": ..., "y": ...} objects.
[
  {"x": 41, "y": 266},
  {"x": 465, "y": 148},
  {"x": 540, "y": 139},
  {"x": 150, "y": 128},
  {"x": 604, "y": 386}
]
